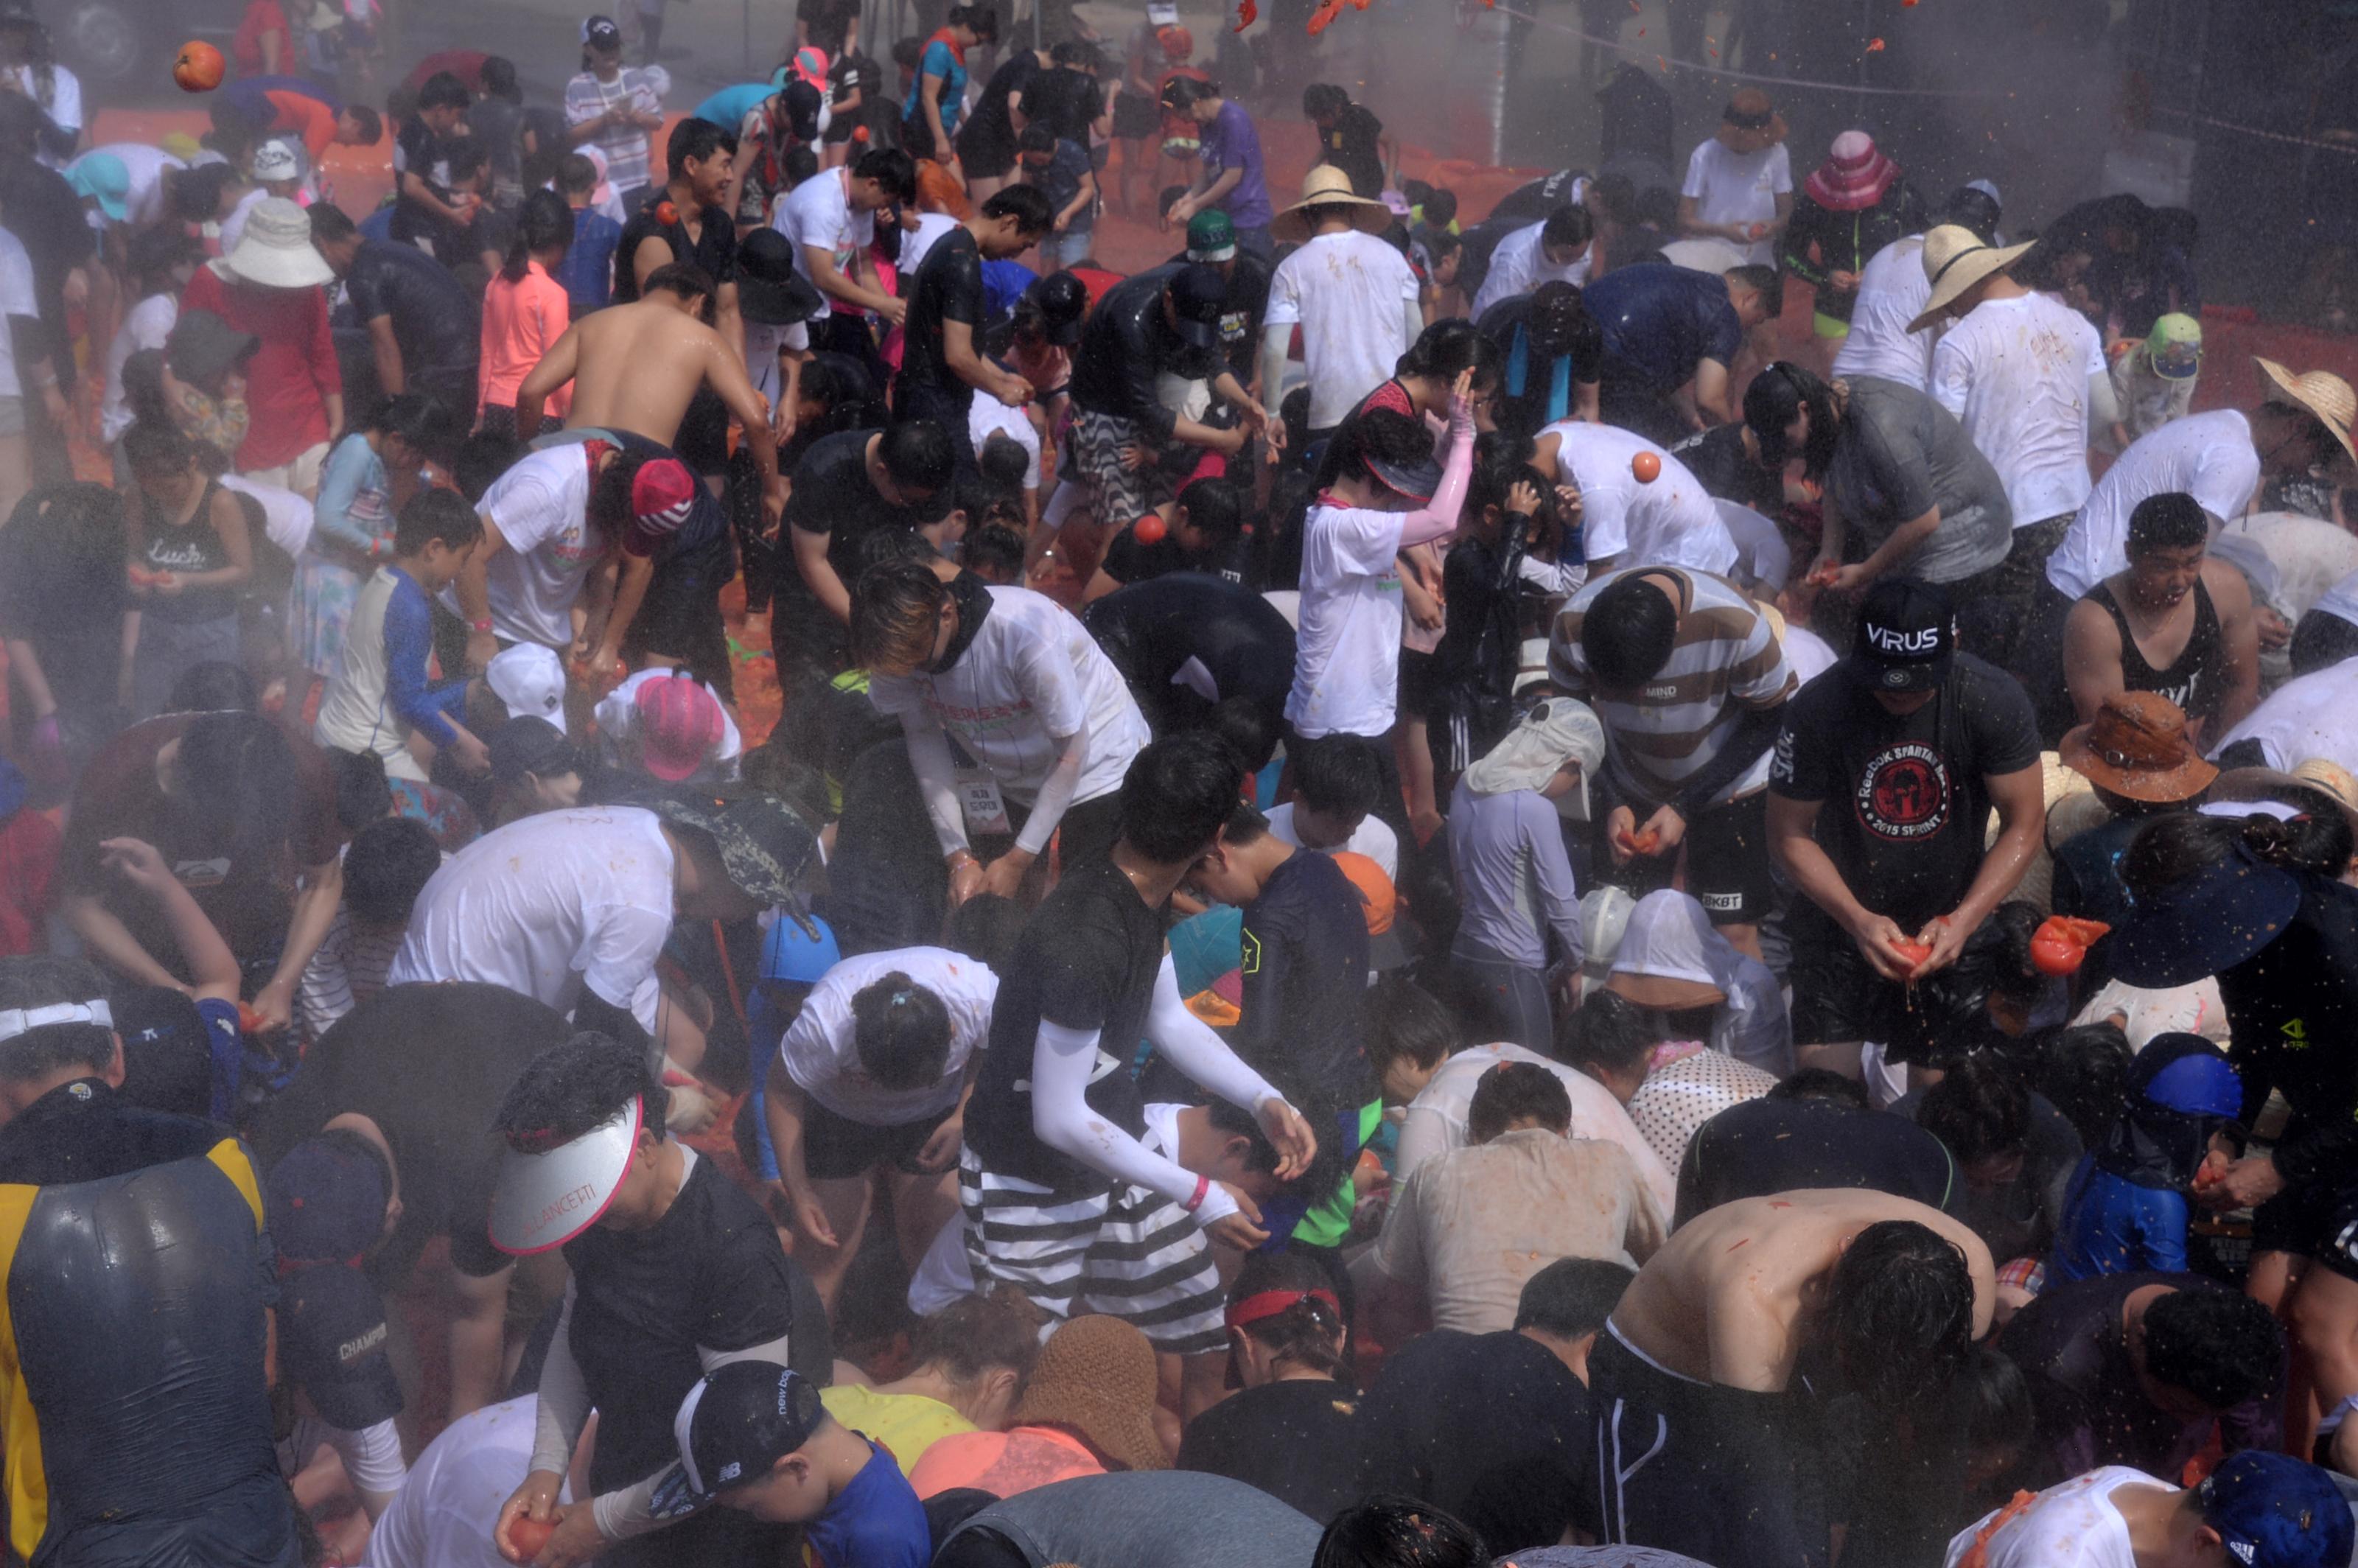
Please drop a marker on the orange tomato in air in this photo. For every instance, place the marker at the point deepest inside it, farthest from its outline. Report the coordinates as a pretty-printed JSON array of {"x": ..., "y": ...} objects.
[
  {"x": 199, "y": 67},
  {"x": 1647, "y": 467}
]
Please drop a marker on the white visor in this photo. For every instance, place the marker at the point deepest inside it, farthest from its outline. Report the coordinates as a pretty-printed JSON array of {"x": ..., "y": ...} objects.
[{"x": 546, "y": 1200}]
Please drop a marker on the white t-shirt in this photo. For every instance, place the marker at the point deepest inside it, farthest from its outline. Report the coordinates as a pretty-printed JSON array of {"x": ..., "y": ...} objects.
[
  {"x": 2070, "y": 1526},
  {"x": 821, "y": 1055},
  {"x": 1373, "y": 838},
  {"x": 763, "y": 343},
  {"x": 2207, "y": 456},
  {"x": 1346, "y": 663},
  {"x": 1349, "y": 292},
  {"x": 1436, "y": 1118},
  {"x": 1739, "y": 187},
  {"x": 2016, "y": 374},
  {"x": 550, "y": 904},
  {"x": 617, "y": 720},
  {"x": 2315, "y": 715},
  {"x": 233, "y": 227},
  {"x": 148, "y": 326},
  {"x": 64, "y": 107},
  {"x": 1032, "y": 678},
  {"x": 443, "y": 1515},
  {"x": 818, "y": 212},
  {"x": 144, "y": 200},
  {"x": 1673, "y": 522},
  {"x": 541, "y": 509},
  {"x": 286, "y": 516},
  {"x": 988, "y": 415},
  {"x": 17, "y": 298},
  {"x": 1520, "y": 264},
  {"x": 930, "y": 227},
  {"x": 1892, "y": 292}
]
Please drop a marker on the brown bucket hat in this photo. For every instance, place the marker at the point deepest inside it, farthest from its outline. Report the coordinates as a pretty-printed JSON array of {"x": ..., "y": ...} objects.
[
  {"x": 2138, "y": 747},
  {"x": 1096, "y": 1377}
]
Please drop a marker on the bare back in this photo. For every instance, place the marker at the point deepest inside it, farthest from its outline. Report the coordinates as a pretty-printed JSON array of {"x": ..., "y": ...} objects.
[
  {"x": 1727, "y": 1299},
  {"x": 638, "y": 364}
]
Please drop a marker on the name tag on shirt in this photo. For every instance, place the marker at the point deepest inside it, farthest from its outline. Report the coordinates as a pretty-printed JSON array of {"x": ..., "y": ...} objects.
[{"x": 986, "y": 810}]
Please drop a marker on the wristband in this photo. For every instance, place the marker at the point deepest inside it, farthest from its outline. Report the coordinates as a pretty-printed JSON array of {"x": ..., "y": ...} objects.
[
  {"x": 482, "y": 626},
  {"x": 1203, "y": 1190}
]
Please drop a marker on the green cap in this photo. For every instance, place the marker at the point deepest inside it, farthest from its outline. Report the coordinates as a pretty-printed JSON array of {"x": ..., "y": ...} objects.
[
  {"x": 1211, "y": 237},
  {"x": 2175, "y": 347}
]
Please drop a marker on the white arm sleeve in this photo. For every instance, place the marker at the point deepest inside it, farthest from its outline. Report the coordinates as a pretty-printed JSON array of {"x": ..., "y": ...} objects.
[
  {"x": 929, "y": 756},
  {"x": 629, "y": 1512},
  {"x": 1062, "y": 1062},
  {"x": 372, "y": 1458},
  {"x": 563, "y": 1408},
  {"x": 1196, "y": 1051},
  {"x": 1055, "y": 796}
]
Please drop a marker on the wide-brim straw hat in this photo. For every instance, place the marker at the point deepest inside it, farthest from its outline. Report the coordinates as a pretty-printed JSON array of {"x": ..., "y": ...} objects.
[
  {"x": 276, "y": 251},
  {"x": 1096, "y": 1375},
  {"x": 1955, "y": 260},
  {"x": 2322, "y": 393},
  {"x": 1326, "y": 186}
]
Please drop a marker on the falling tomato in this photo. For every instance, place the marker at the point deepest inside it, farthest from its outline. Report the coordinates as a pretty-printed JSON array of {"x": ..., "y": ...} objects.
[
  {"x": 1248, "y": 13},
  {"x": 1324, "y": 16},
  {"x": 199, "y": 67},
  {"x": 1875, "y": 46}
]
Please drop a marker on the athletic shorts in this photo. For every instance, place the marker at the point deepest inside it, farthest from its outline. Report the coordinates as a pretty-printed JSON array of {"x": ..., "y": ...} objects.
[
  {"x": 2318, "y": 1219},
  {"x": 1123, "y": 1251},
  {"x": 1421, "y": 686},
  {"x": 1728, "y": 869},
  {"x": 1119, "y": 494},
  {"x": 836, "y": 1148},
  {"x": 1837, "y": 995},
  {"x": 1697, "y": 1468}
]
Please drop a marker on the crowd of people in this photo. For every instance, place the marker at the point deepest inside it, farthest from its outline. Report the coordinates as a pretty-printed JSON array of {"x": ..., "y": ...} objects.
[{"x": 1424, "y": 893}]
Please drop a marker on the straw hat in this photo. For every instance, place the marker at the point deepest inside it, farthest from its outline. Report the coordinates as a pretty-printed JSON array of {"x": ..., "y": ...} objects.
[
  {"x": 1955, "y": 260},
  {"x": 1096, "y": 1375},
  {"x": 276, "y": 251},
  {"x": 1326, "y": 186},
  {"x": 2322, "y": 392}
]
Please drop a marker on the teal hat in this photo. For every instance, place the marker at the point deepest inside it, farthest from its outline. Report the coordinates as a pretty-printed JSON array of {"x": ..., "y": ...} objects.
[
  {"x": 102, "y": 179},
  {"x": 2175, "y": 347},
  {"x": 1207, "y": 945},
  {"x": 1211, "y": 237}
]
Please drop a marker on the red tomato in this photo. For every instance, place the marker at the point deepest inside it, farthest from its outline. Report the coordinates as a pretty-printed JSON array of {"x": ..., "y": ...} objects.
[
  {"x": 528, "y": 1535},
  {"x": 199, "y": 67},
  {"x": 2060, "y": 943},
  {"x": 1648, "y": 842},
  {"x": 1647, "y": 467},
  {"x": 248, "y": 1020},
  {"x": 1914, "y": 952},
  {"x": 1149, "y": 529},
  {"x": 1825, "y": 573}
]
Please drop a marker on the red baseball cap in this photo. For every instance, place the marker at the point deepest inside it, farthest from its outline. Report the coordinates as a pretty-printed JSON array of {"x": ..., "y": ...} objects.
[
  {"x": 662, "y": 493},
  {"x": 680, "y": 722}
]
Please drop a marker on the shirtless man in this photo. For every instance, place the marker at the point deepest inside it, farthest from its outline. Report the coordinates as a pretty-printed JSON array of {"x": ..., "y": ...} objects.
[
  {"x": 1848, "y": 1291},
  {"x": 634, "y": 367}
]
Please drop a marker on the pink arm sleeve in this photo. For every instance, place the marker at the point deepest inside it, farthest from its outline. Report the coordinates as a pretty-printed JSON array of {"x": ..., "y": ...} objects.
[{"x": 1437, "y": 518}]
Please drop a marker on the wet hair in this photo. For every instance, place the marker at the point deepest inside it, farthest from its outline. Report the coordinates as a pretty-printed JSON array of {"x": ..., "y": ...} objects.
[
  {"x": 1406, "y": 1020},
  {"x": 2178, "y": 845},
  {"x": 1776, "y": 398},
  {"x": 1572, "y": 1297},
  {"x": 694, "y": 140},
  {"x": 362, "y": 796},
  {"x": 1310, "y": 1332},
  {"x": 918, "y": 453},
  {"x": 889, "y": 168},
  {"x": 1972, "y": 209},
  {"x": 1385, "y": 1532},
  {"x": 1606, "y": 1032},
  {"x": 1039, "y": 136},
  {"x": 443, "y": 90},
  {"x": 576, "y": 175},
  {"x": 2220, "y": 1345},
  {"x": 2084, "y": 1071},
  {"x": 498, "y": 75},
  {"x": 880, "y": 546},
  {"x": 482, "y": 458},
  {"x": 571, "y": 1088},
  {"x": 1322, "y": 98},
  {"x": 1512, "y": 1091},
  {"x": 1628, "y": 632},
  {"x": 50, "y": 979},
  {"x": 157, "y": 449},
  {"x": 371, "y": 124},
  {"x": 2172, "y": 520},
  {"x": 469, "y": 158},
  {"x": 331, "y": 223},
  {"x": 1992, "y": 1399},
  {"x": 1447, "y": 348},
  {"x": 685, "y": 279},
  {"x": 1440, "y": 208},
  {"x": 1245, "y": 825},
  {"x": 1980, "y": 1108},
  {"x": 413, "y": 417},
  {"x": 977, "y": 1334},
  {"x": 994, "y": 552},
  {"x": 390, "y": 860},
  {"x": 1213, "y": 506},
  {"x": 436, "y": 514},
  {"x": 1184, "y": 92},
  {"x": 1567, "y": 226},
  {"x": 1900, "y": 1311},
  {"x": 216, "y": 686},
  {"x": 1765, "y": 281},
  {"x": 544, "y": 224},
  {"x": 1027, "y": 204},
  {"x": 1246, "y": 727},
  {"x": 1373, "y": 435},
  {"x": 985, "y": 928},
  {"x": 902, "y": 1032},
  {"x": 1339, "y": 778},
  {"x": 197, "y": 192},
  {"x": 1557, "y": 324},
  {"x": 982, "y": 19},
  {"x": 895, "y": 606},
  {"x": 233, "y": 788},
  {"x": 1176, "y": 795}
]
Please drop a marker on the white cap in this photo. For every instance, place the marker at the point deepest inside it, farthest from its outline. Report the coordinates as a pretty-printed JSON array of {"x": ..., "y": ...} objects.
[
  {"x": 531, "y": 680},
  {"x": 274, "y": 159},
  {"x": 547, "y": 1199}
]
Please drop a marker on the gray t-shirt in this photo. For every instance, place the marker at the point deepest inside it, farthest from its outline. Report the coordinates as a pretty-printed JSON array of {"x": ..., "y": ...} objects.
[
  {"x": 1147, "y": 1518},
  {"x": 1901, "y": 454}
]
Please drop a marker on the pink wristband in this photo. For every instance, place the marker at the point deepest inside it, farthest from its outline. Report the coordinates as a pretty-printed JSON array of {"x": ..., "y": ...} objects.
[{"x": 1203, "y": 1191}]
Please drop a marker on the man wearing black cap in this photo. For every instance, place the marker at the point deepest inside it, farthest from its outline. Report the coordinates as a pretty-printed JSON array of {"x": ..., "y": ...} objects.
[
  {"x": 942, "y": 361},
  {"x": 1913, "y": 743}
]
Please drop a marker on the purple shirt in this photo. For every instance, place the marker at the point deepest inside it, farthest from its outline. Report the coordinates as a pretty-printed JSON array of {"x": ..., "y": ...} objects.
[{"x": 1231, "y": 142}]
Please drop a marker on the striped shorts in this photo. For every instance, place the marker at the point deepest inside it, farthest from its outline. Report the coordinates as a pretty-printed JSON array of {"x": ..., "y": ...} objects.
[{"x": 1125, "y": 1252}]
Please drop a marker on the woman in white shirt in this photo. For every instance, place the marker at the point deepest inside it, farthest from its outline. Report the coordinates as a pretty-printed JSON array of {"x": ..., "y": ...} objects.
[
  {"x": 1739, "y": 184},
  {"x": 28, "y": 62}
]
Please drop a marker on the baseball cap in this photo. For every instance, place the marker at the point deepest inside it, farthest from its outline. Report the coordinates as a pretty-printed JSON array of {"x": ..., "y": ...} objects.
[
  {"x": 1211, "y": 237},
  {"x": 531, "y": 745},
  {"x": 769, "y": 290},
  {"x": 763, "y": 845},
  {"x": 601, "y": 32},
  {"x": 810, "y": 65},
  {"x": 274, "y": 159},
  {"x": 733, "y": 1427},
  {"x": 2273, "y": 1511},
  {"x": 547, "y": 1194},
  {"x": 1059, "y": 301},
  {"x": 2175, "y": 347},
  {"x": 1906, "y": 635},
  {"x": 101, "y": 177},
  {"x": 662, "y": 493},
  {"x": 798, "y": 955},
  {"x": 679, "y": 724},
  {"x": 1198, "y": 294},
  {"x": 530, "y": 680},
  {"x": 324, "y": 1201}
]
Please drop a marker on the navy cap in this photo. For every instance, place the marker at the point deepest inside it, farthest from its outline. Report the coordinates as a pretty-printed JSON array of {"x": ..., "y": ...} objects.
[
  {"x": 324, "y": 1201},
  {"x": 732, "y": 1429},
  {"x": 2273, "y": 1511},
  {"x": 1198, "y": 295},
  {"x": 331, "y": 1340}
]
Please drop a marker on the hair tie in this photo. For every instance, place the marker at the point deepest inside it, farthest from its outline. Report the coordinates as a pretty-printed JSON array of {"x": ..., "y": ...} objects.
[{"x": 901, "y": 996}]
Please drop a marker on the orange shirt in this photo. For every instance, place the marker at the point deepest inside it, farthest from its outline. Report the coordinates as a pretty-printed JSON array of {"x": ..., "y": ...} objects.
[
  {"x": 305, "y": 116},
  {"x": 521, "y": 320},
  {"x": 1003, "y": 1463}
]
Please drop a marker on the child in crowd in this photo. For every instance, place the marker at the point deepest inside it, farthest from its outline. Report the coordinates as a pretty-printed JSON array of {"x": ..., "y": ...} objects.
[
  {"x": 384, "y": 866},
  {"x": 2129, "y": 1201}
]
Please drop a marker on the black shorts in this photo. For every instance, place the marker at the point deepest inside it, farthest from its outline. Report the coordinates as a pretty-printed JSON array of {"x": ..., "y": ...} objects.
[
  {"x": 986, "y": 157},
  {"x": 1838, "y": 997},
  {"x": 703, "y": 440},
  {"x": 1136, "y": 117},
  {"x": 1421, "y": 687},
  {"x": 680, "y": 617},
  {"x": 836, "y": 1148},
  {"x": 2318, "y": 1219},
  {"x": 1728, "y": 869}
]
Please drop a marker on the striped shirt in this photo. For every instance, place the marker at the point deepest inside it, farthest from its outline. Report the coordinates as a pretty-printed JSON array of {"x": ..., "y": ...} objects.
[
  {"x": 1726, "y": 658},
  {"x": 346, "y": 970}
]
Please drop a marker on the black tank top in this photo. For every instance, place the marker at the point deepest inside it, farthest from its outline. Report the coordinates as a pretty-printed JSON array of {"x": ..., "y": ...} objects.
[
  {"x": 187, "y": 547},
  {"x": 2193, "y": 682}
]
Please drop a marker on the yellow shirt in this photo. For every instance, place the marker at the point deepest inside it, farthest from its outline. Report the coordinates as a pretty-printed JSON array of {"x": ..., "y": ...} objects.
[{"x": 906, "y": 1424}]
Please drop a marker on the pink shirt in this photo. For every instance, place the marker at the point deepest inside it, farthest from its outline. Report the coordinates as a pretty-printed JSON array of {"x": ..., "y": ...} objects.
[{"x": 521, "y": 321}]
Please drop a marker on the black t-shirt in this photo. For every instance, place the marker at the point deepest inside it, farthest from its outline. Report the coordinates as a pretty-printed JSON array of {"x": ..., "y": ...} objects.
[
  {"x": 1904, "y": 799},
  {"x": 1087, "y": 959},
  {"x": 1065, "y": 98},
  {"x": 1350, "y": 145},
  {"x": 833, "y": 495},
  {"x": 1721, "y": 465},
  {"x": 62, "y": 590},
  {"x": 709, "y": 1273},
  {"x": 1765, "y": 1146},
  {"x": 2292, "y": 1012},
  {"x": 1295, "y": 1440},
  {"x": 713, "y": 248},
  {"x": 1306, "y": 987},
  {"x": 1240, "y": 314},
  {"x": 1489, "y": 1427},
  {"x": 434, "y": 318},
  {"x": 989, "y": 134},
  {"x": 1152, "y": 629},
  {"x": 948, "y": 288},
  {"x": 2017, "y": 1219},
  {"x": 1127, "y": 561},
  {"x": 430, "y": 1064}
]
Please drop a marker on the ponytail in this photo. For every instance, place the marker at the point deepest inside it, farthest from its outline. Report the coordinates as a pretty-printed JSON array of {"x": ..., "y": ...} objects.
[
  {"x": 546, "y": 224},
  {"x": 1307, "y": 1331}
]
